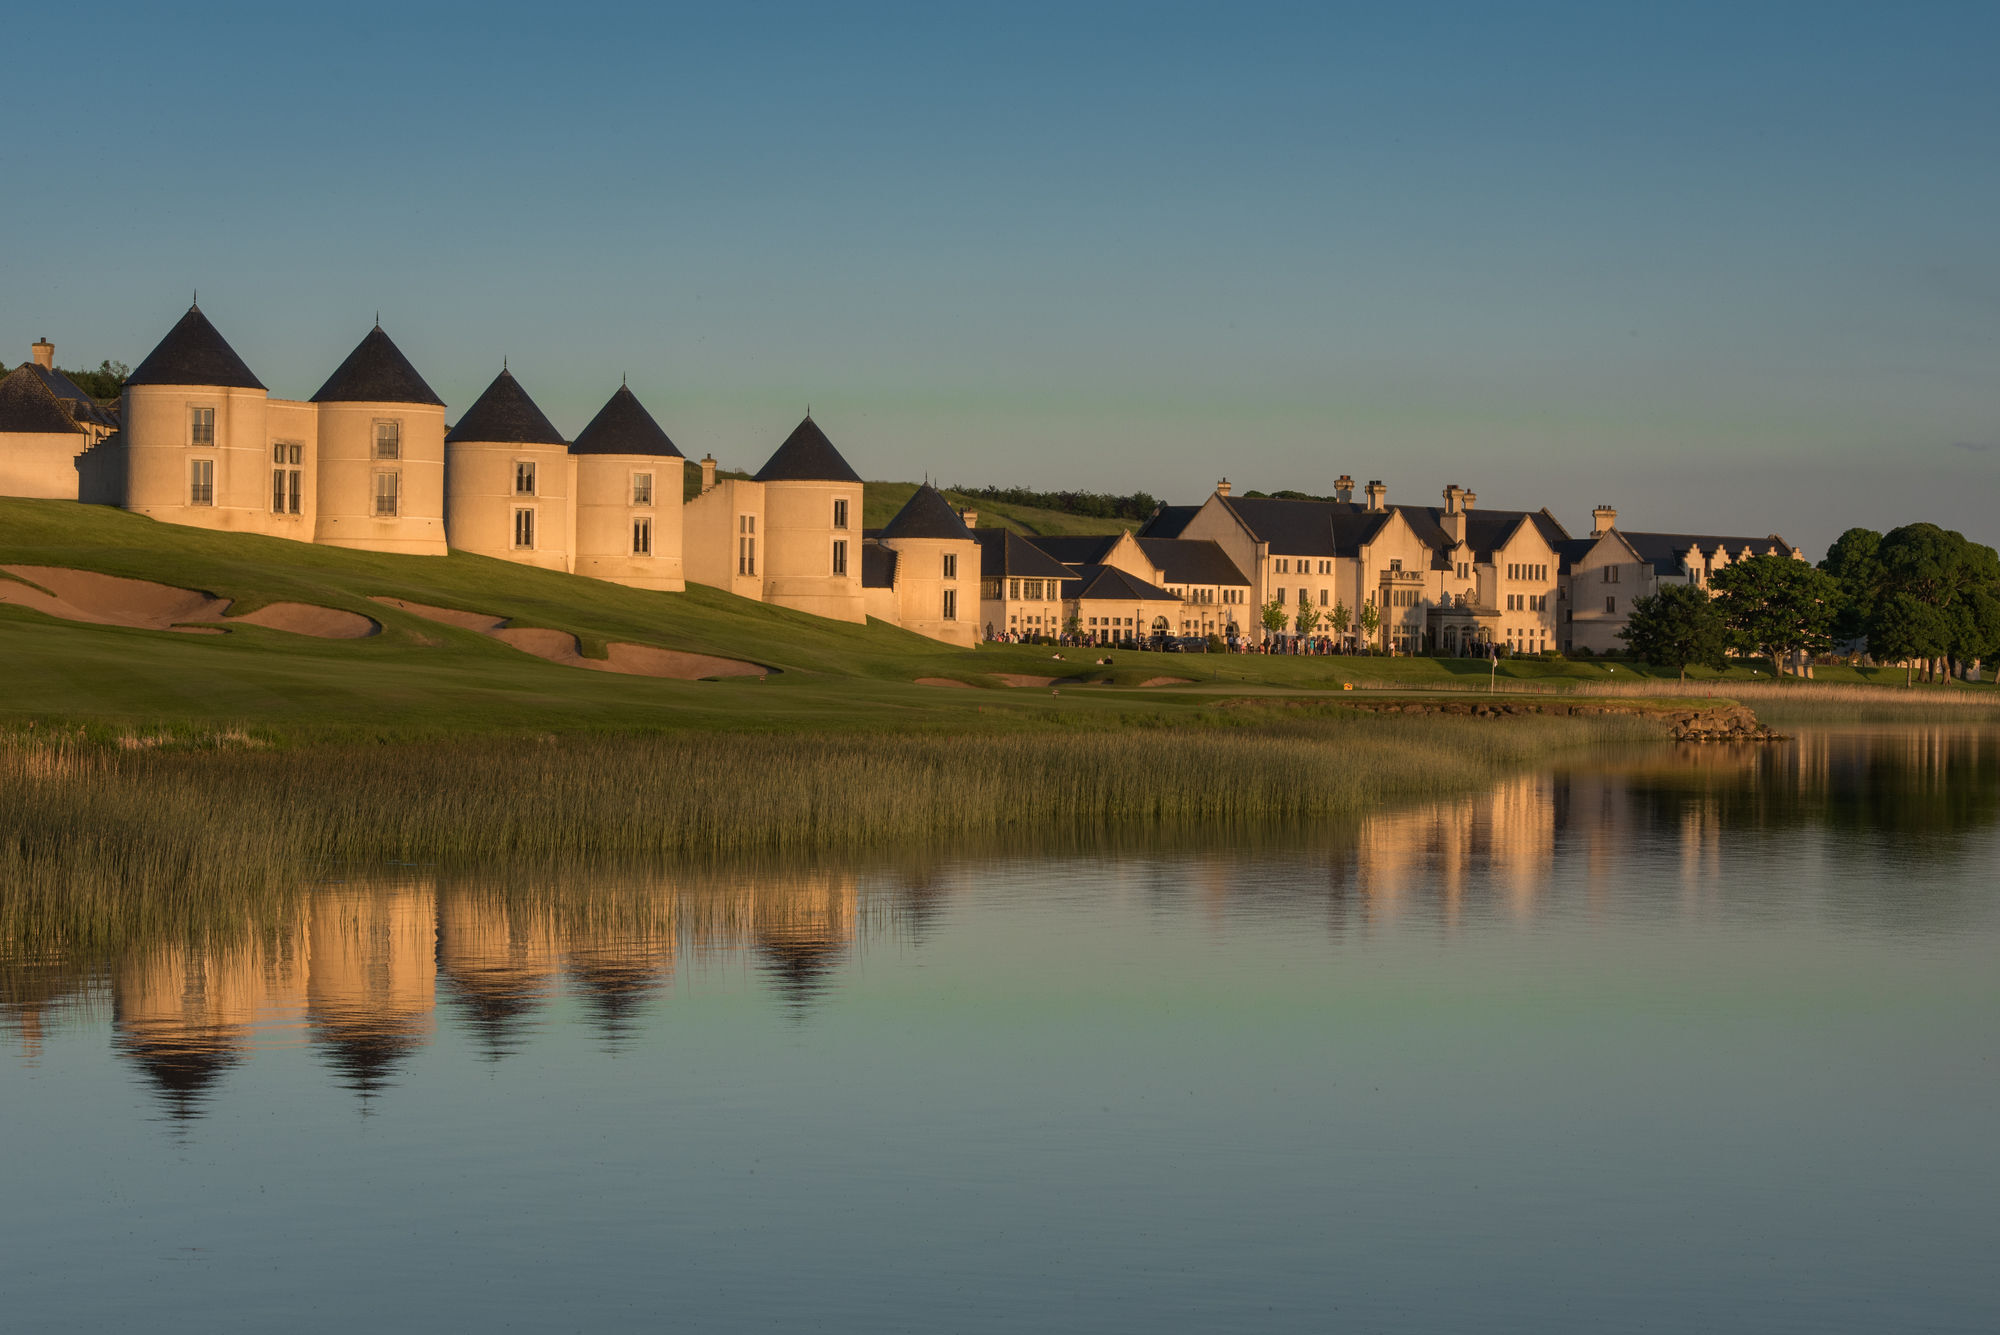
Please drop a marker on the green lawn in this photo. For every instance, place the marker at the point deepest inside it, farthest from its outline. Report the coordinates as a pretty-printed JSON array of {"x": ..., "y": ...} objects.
[{"x": 420, "y": 678}]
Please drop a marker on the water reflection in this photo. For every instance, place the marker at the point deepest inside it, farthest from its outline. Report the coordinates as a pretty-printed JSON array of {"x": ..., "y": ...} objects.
[{"x": 361, "y": 971}]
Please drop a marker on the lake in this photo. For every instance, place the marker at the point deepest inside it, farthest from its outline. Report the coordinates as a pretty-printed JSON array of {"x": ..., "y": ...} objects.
[{"x": 1672, "y": 1039}]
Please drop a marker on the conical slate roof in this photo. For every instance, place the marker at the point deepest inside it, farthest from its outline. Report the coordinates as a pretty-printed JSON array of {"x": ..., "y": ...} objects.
[
  {"x": 806, "y": 456},
  {"x": 376, "y": 372},
  {"x": 623, "y": 426},
  {"x": 927, "y": 514},
  {"x": 505, "y": 414},
  {"x": 193, "y": 353}
]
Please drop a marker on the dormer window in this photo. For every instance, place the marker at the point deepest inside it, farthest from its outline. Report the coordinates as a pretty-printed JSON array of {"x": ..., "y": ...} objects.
[{"x": 388, "y": 440}]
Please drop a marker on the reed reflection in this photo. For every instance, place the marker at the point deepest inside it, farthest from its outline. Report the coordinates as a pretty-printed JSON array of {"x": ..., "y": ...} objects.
[{"x": 361, "y": 972}]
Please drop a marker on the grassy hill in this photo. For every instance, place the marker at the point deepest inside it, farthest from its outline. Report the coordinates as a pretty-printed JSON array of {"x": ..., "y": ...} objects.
[
  {"x": 420, "y": 678},
  {"x": 884, "y": 499}
]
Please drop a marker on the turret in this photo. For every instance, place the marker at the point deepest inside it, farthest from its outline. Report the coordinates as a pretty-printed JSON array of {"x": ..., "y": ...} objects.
[
  {"x": 381, "y": 454},
  {"x": 628, "y": 498},
  {"x": 508, "y": 480}
]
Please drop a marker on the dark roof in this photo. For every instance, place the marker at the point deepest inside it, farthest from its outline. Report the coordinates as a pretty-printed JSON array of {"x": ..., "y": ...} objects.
[
  {"x": 505, "y": 414},
  {"x": 28, "y": 406},
  {"x": 1109, "y": 582},
  {"x": 806, "y": 456},
  {"x": 80, "y": 406},
  {"x": 1664, "y": 551},
  {"x": 1004, "y": 554},
  {"x": 927, "y": 514},
  {"x": 1076, "y": 549},
  {"x": 193, "y": 353},
  {"x": 878, "y": 566},
  {"x": 1168, "y": 521},
  {"x": 376, "y": 372},
  {"x": 1192, "y": 561},
  {"x": 1308, "y": 528},
  {"x": 623, "y": 426}
]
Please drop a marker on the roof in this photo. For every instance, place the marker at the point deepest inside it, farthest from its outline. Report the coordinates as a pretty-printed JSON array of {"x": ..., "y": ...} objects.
[
  {"x": 1664, "y": 551},
  {"x": 878, "y": 566},
  {"x": 1309, "y": 528},
  {"x": 623, "y": 426},
  {"x": 376, "y": 372},
  {"x": 1109, "y": 583},
  {"x": 927, "y": 514},
  {"x": 505, "y": 414},
  {"x": 1004, "y": 554},
  {"x": 806, "y": 456},
  {"x": 1192, "y": 561},
  {"x": 1085, "y": 549},
  {"x": 29, "y": 407},
  {"x": 80, "y": 405},
  {"x": 1168, "y": 521},
  {"x": 194, "y": 353}
]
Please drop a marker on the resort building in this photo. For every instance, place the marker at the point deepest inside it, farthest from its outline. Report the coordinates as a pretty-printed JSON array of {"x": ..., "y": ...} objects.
[
  {"x": 369, "y": 463},
  {"x": 1604, "y": 574}
]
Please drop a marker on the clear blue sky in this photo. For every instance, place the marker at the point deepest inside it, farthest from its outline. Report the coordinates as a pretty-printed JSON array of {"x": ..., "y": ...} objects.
[{"x": 1729, "y": 267}]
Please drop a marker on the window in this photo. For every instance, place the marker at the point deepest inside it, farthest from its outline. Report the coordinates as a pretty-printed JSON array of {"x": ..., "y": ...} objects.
[
  {"x": 840, "y": 512},
  {"x": 1014, "y": 588},
  {"x": 951, "y": 565},
  {"x": 951, "y": 604},
  {"x": 524, "y": 480},
  {"x": 840, "y": 557},
  {"x": 1032, "y": 589},
  {"x": 1284, "y": 567},
  {"x": 524, "y": 528},
  {"x": 1303, "y": 595},
  {"x": 746, "y": 555},
  {"x": 746, "y": 523},
  {"x": 989, "y": 588},
  {"x": 201, "y": 427},
  {"x": 388, "y": 491},
  {"x": 1611, "y": 604},
  {"x": 642, "y": 535},
  {"x": 642, "y": 488},
  {"x": 1396, "y": 564},
  {"x": 388, "y": 440},
  {"x": 287, "y": 480},
  {"x": 201, "y": 482}
]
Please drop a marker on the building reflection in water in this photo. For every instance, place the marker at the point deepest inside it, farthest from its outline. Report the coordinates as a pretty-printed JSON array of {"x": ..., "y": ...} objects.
[{"x": 359, "y": 972}]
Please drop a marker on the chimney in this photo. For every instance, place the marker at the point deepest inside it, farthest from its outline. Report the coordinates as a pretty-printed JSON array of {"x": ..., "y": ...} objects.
[
  {"x": 1343, "y": 489},
  {"x": 1605, "y": 519},
  {"x": 1378, "y": 495},
  {"x": 45, "y": 354},
  {"x": 970, "y": 517},
  {"x": 1454, "y": 513},
  {"x": 1470, "y": 498},
  {"x": 707, "y": 474},
  {"x": 1222, "y": 487}
]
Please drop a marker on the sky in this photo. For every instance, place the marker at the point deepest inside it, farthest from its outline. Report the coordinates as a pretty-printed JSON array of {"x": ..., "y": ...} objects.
[{"x": 1730, "y": 268}]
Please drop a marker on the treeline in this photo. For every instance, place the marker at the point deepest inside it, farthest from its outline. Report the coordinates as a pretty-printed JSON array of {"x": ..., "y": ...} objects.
[
  {"x": 1095, "y": 504},
  {"x": 104, "y": 384},
  {"x": 1919, "y": 595}
]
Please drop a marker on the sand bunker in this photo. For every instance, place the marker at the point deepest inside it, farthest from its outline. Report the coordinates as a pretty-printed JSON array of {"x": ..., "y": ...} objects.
[
  {"x": 1022, "y": 679},
  {"x": 108, "y": 600},
  {"x": 1166, "y": 681},
  {"x": 561, "y": 647},
  {"x": 945, "y": 681}
]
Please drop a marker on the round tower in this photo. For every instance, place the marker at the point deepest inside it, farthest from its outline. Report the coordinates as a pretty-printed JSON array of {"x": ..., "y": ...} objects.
[
  {"x": 508, "y": 484},
  {"x": 628, "y": 498},
  {"x": 812, "y": 527},
  {"x": 198, "y": 441},
  {"x": 937, "y": 569},
  {"x": 381, "y": 454}
]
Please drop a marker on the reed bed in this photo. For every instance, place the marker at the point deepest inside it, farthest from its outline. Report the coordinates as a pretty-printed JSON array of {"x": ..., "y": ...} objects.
[
  {"x": 1789, "y": 702},
  {"x": 98, "y": 838}
]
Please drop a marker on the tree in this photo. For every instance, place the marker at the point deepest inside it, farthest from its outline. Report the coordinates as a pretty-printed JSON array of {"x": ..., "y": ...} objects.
[
  {"x": 1855, "y": 564},
  {"x": 1903, "y": 626},
  {"x": 1307, "y": 619},
  {"x": 1957, "y": 579},
  {"x": 1073, "y": 623},
  {"x": 1775, "y": 606},
  {"x": 1341, "y": 620},
  {"x": 1677, "y": 626},
  {"x": 104, "y": 384},
  {"x": 1371, "y": 621},
  {"x": 1274, "y": 616}
]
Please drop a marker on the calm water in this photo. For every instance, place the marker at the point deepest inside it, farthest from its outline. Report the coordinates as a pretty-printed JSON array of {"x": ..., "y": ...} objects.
[{"x": 1693, "y": 1040}]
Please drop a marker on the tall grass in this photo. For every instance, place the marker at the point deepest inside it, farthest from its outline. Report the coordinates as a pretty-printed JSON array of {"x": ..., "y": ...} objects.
[
  {"x": 1788, "y": 702},
  {"x": 101, "y": 839}
]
